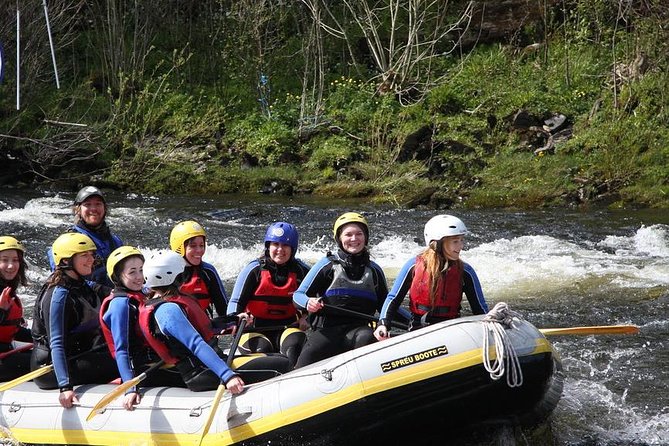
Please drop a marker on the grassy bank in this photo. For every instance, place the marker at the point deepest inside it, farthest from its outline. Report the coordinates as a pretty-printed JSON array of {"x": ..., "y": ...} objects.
[
  {"x": 461, "y": 146},
  {"x": 577, "y": 118}
]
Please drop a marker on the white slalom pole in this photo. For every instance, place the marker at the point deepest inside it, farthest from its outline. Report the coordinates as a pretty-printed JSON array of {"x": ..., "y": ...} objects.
[
  {"x": 53, "y": 52},
  {"x": 18, "y": 57}
]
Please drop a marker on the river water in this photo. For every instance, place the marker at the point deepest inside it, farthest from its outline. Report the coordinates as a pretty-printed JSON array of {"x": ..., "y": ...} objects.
[{"x": 557, "y": 267}]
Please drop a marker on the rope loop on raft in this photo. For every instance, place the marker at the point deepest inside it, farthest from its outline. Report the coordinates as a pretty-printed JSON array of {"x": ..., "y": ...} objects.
[{"x": 506, "y": 360}]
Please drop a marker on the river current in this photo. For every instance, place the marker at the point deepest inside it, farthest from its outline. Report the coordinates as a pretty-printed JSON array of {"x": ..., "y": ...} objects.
[{"x": 557, "y": 267}]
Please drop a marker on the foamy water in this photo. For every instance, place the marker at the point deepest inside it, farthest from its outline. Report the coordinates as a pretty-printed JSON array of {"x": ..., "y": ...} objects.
[{"x": 616, "y": 387}]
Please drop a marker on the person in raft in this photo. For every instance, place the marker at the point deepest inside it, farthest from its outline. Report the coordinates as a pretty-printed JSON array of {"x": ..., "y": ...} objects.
[
  {"x": 14, "y": 363},
  {"x": 435, "y": 279},
  {"x": 119, "y": 319},
  {"x": 341, "y": 292},
  {"x": 90, "y": 210},
  {"x": 66, "y": 322},
  {"x": 200, "y": 279},
  {"x": 265, "y": 289},
  {"x": 179, "y": 330}
]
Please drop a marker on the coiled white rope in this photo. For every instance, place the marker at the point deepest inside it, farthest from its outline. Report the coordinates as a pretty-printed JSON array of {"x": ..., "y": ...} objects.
[{"x": 506, "y": 360}]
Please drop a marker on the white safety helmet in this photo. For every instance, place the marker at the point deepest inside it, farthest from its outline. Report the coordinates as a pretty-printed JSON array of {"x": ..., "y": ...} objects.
[
  {"x": 162, "y": 268},
  {"x": 441, "y": 226}
]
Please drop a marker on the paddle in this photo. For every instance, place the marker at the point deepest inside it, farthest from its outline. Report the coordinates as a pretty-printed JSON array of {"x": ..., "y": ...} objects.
[
  {"x": 44, "y": 370},
  {"x": 221, "y": 387},
  {"x": 121, "y": 389},
  {"x": 364, "y": 316},
  {"x": 271, "y": 328},
  {"x": 598, "y": 329},
  {"x": 23, "y": 348}
]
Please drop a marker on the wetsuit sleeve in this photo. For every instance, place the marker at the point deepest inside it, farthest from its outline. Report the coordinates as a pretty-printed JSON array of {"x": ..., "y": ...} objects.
[
  {"x": 396, "y": 295},
  {"x": 245, "y": 286},
  {"x": 314, "y": 284},
  {"x": 217, "y": 294},
  {"x": 381, "y": 286},
  {"x": 173, "y": 323},
  {"x": 117, "y": 319},
  {"x": 473, "y": 291},
  {"x": 57, "y": 335}
]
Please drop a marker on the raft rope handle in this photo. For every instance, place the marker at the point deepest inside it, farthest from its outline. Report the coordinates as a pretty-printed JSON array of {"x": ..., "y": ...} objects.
[{"x": 496, "y": 322}]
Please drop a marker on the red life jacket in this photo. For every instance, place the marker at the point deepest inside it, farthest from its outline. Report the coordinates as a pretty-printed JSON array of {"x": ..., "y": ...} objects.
[
  {"x": 194, "y": 313},
  {"x": 137, "y": 299},
  {"x": 13, "y": 321},
  {"x": 271, "y": 301},
  {"x": 197, "y": 288},
  {"x": 448, "y": 296}
]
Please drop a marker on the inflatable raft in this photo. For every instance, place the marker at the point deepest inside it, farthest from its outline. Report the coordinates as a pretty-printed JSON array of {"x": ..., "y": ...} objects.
[{"x": 445, "y": 376}]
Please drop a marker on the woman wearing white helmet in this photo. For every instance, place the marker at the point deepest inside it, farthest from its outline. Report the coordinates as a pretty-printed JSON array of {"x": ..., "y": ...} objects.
[
  {"x": 119, "y": 319},
  {"x": 180, "y": 332},
  {"x": 66, "y": 322},
  {"x": 341, "y": 292},
  {"x": 12, "y": 325},
  {"x": 435, "y": 279}
]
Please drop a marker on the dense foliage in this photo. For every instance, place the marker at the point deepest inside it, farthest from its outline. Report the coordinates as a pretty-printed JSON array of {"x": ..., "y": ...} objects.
[{"x": 408, "y": 102}]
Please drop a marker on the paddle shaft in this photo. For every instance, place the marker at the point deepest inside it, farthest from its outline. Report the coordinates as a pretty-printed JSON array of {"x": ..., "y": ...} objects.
[
  {"x": 221, "y": 387},
  {"x": 44, "y": 370},
  {"x": 363, "y": 316},
  {"x": 597, "y": 329},
  {"x": 235, "y": 342},
  {"x": 271, "y": 328}
]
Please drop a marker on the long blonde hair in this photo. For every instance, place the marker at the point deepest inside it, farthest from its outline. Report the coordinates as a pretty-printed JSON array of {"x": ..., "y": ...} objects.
[{"x": 436, "y": 265}]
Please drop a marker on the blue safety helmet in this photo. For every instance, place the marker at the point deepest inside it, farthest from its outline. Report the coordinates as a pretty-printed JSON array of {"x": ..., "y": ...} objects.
[{"x": 282, "y": 232}]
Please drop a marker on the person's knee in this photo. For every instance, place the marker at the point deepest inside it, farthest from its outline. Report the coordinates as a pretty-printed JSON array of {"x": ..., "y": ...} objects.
[
  {"x": 363, "y": 337},
  {"x": 255, "y": 343}
]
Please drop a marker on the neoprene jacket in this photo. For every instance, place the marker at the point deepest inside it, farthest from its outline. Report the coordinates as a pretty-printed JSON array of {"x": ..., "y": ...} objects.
[
  {"x": 359, "y": 285},
  {"x": 66, "y": 321}
]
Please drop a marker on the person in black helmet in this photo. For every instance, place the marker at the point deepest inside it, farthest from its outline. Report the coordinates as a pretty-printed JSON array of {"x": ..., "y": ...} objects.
[{"x": 90, "y": 210}]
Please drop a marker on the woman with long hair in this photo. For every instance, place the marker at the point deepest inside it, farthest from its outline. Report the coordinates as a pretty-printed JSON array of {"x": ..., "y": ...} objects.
[
  {"x": 66, "y": 322},
  {"x": 435, "y": 279},
  {"x": 12, "y": 325}
]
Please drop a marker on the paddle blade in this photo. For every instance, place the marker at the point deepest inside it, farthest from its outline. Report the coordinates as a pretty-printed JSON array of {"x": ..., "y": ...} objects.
[
  {"x": 111, "y": 396},
  {"x": 598, "y": 329},
  {"x": 214, "y": 407},
  {"x": 27, "y": 377}
]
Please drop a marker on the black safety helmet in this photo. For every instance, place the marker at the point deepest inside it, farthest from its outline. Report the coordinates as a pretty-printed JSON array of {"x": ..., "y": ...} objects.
[{"x": 87, "y": 192}]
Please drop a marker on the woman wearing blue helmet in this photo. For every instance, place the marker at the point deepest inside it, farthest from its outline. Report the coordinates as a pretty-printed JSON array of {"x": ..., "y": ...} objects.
[{"x": 265, "y": 290}]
